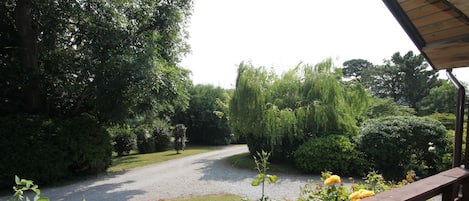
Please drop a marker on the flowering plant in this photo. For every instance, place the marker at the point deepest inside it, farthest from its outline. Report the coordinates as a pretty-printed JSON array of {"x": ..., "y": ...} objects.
[{"x": 333, "y": 189}]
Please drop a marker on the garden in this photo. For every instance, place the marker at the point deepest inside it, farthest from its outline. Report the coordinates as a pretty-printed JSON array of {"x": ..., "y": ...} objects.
[{"x": 76, "y": 104}]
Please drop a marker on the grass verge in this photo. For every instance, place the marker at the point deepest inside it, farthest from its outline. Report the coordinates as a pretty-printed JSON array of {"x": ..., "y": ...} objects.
[
  {"x": 138, "y": 160},
  {"x": 222, "y": 197},
  {"x": 245, "y": 161}
]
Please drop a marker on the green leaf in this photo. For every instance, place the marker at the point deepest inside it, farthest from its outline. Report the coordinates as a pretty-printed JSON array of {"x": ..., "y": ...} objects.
[
  {"x": 43, "y": 199},
  {"x": 255, "y": 183},
  {"x": 17, "y": 180},
  {"x": 272, "y": 178},
  {"x": 260, "y": 176}
]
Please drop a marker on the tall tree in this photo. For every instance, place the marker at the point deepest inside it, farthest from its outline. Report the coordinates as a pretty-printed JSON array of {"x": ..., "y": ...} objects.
[
  {"x": 441, "y": 99},
  {"x": 205, "y": 120},
  {"x": 406, "y": 79},
  {"x": 279, "y": 113},
  {"x": 355, "y": 67},
  {"x": 108, "y": 58}
]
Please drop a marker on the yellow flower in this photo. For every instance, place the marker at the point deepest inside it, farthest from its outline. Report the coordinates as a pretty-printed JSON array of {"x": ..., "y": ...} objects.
[
  {"x": 362, "y": 193},
  {"x": 332, "y": 180}
]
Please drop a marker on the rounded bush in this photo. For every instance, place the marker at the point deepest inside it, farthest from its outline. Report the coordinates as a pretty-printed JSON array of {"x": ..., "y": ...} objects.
[
  {"x": 145, "y": 142},
  {"x": 123, "y": 138},
  {"x": 397, "y": 144},
  {"x": 162, "y": 138},
  {"x": 334, "y": 153}
]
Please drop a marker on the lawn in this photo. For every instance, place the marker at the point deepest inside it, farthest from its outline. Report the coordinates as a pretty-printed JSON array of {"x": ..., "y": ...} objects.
[
  {"x": 222, "y": 197},
  {"x": 137, "y": 160}
]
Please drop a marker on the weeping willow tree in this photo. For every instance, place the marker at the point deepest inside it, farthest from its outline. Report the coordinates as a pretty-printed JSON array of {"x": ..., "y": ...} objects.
[{"x": 278, "y": 113}]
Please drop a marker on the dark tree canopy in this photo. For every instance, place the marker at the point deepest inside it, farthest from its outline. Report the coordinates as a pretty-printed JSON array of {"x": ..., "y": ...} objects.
[
  {"x": 107, "y": 58},
  {"x": 355, "y": 67},
  {"x": 405, "y": 78},
  {"x": 206, "y": 118}
]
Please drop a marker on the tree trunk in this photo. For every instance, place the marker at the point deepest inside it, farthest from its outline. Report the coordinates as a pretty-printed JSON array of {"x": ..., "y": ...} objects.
[{"x": 28, "y": 55}]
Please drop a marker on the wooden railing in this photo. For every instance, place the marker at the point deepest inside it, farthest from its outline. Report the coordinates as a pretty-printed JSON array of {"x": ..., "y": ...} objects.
[{"x": 447, "y": 183}]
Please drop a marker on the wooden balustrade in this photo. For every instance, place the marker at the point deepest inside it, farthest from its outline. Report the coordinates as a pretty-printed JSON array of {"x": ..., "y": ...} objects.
[{"x": 447, "y": 183}]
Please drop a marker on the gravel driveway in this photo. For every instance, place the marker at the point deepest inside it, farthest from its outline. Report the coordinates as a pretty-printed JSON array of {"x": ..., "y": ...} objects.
[{"x": 200, "y": 174}]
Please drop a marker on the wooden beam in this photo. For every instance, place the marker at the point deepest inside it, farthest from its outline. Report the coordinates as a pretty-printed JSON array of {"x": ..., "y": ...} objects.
[{"x": 449, "y": 42}]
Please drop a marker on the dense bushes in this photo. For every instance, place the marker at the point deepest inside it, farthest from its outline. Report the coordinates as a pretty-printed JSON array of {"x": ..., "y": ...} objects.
[
  {"x": 332, "y": 153},
  {"x": 153, "y": 137},
  {"x": 162, "y": 136},
  {"x": 447, "y": 119},
  {"x": 124, "y": 139},
  {"x": 145, "y": 142},
  {"x": 397, "y": 144},
  {"x": 47, "y": 150},
  {"x": 205, "y": 118}
]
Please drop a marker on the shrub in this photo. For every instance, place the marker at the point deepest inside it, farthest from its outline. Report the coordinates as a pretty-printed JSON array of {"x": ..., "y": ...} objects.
[
  {"x": 47, "y": 150},
  {"x": 145, "y": 142},
  {"x": 88, "y": 144},
  {"x": 399, "y": 143},
  {"x": 161, "y": 135},
  {"x": 124, "y": 139},
  {"x": 333, "y": 153}
]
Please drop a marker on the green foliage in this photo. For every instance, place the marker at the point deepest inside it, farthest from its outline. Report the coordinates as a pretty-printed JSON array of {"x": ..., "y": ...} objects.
[
  {"x": 145, "y": 142},
  {"x": 334, "y": 152},
  {"x": 441, "y": 99},
  {"x": 355, "y": 67},
  {"x": 111, "y": 59},
  {"x": 405, "y": 78},
  {"x": 447, "y": 119},
  {"x": 278, "y": 113},
  {"x": 262, "y": 177},
  {"x": 383, "y": 107},
  {"x": 396, "y": 144},
  {"x": 161, "y": 135},
  {"x": 206, "y": 118},
  {"x": 333, "y": 189},
  {"x": 23, "y": 185},
  {"x": 124, "y": 139},
  {"x": 47, "y": 150}
]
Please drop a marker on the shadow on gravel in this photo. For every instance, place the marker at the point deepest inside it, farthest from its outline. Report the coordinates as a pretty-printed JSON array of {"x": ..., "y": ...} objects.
[
  {"x": 99, "y": 188},
  {"x": 220, "y": 170}
]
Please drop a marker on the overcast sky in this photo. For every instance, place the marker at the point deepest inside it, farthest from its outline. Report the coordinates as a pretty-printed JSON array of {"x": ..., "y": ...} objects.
[{"x": 280, "y": 34}]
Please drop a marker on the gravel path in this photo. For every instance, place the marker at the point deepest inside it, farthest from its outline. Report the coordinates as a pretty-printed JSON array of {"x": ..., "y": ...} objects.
[{"x": 195, "y": 175}]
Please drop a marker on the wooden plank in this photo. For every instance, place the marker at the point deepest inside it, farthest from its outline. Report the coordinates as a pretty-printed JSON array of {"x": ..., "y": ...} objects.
[
  {"x": 443, "y": 65},
  {"x": 448, "y": 44},
  {"x": 462, "y": 5},
  {"x": 413, "y": 4},
  {"x": 445, "y": 34},
  {"x": 425, "y": 188},
  {"x": 446, "y": 57},
  {"x": 436, "y": 17},
  {"x": 427, "y": 9},
  {"x": 442, "y": 25}
]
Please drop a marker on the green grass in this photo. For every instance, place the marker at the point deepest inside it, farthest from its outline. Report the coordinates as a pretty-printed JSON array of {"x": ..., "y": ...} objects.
[
  {"x": 245, "y": 161},
  {"x": 222, "y": 197},
  {"x": 137, "y": 160}
]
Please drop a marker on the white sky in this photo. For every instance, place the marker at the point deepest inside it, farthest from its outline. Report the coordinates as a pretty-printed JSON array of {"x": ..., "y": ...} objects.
[{"x": 279, "y": 34}]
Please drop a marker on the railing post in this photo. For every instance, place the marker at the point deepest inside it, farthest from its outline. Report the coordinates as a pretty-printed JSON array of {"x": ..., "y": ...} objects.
[{"x": 457, "y": 152}]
